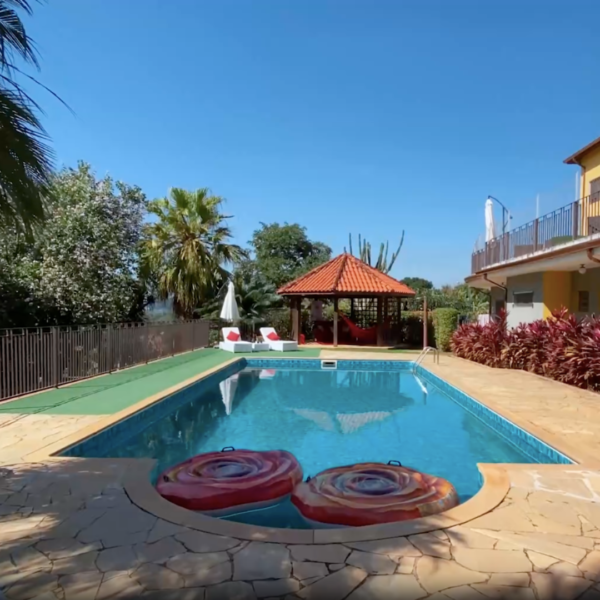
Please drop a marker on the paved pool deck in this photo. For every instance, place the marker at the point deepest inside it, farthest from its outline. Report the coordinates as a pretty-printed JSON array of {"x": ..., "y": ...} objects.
[{"x": 88, "y": 528}]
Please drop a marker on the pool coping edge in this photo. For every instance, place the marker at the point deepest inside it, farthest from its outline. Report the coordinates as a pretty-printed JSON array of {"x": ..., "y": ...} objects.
[{"x": 496, "y": 484}]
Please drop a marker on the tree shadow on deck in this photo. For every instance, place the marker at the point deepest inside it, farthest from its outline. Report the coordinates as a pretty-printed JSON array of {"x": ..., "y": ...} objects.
[{"x": 69, "y": 527}]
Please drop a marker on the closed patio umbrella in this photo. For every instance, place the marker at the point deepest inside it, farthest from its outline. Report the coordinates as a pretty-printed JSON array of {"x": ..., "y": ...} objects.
[
  {"x": 230, "y": 311},
  {"x": 490, "y": 226}
]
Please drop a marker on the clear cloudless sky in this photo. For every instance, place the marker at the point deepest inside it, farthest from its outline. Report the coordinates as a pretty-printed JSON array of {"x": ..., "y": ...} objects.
[{"x": 363, "y": 116}]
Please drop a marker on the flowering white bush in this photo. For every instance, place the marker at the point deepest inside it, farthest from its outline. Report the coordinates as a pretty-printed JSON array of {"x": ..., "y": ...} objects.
[{"x": 81, "y": 264}]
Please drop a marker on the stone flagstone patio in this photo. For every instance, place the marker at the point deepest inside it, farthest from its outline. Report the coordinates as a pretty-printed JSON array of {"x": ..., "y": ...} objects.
[{"x": 69, "y": 529}]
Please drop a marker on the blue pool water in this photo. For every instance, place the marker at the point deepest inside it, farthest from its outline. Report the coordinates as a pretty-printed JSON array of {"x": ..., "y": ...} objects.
[{"x": 326, "y": 419}]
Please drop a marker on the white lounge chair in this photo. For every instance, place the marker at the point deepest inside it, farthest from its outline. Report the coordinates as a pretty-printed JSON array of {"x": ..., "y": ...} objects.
[
  {"x": 260, "y": 347},
  {"x": 278, "y": 345},
  {"x": 231, "y": 345}
]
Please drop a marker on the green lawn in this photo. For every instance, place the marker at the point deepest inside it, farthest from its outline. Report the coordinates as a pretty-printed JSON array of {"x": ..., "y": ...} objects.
[{"x": 111, "y": 393}]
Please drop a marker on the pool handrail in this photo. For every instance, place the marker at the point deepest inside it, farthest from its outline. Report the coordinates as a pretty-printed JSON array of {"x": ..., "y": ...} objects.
[{"x": 423, "y": 354}]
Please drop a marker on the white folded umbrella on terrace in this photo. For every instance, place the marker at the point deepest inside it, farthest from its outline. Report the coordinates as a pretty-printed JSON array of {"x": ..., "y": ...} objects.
[
  {"x": 490, "y": 226},
  {"x": 230, "y": 311}
]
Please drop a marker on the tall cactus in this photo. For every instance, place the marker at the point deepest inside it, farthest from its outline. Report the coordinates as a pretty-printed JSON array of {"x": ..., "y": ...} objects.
[{"x": 364, "y": 253}]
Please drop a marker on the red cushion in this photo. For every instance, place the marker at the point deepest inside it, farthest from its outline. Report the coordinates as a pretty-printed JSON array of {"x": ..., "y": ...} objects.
[
  {"x": 232, "y": 336},
  {"x": 272, "y": 336}
]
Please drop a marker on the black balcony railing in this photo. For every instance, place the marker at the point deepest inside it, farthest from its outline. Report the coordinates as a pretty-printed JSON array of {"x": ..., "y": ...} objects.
[{"x": 574, "y": 221}]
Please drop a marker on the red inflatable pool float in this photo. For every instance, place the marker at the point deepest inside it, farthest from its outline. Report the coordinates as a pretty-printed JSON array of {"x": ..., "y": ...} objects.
[
  {"x": 230, "y": 480},
  {"x": 372, "y": 493}
]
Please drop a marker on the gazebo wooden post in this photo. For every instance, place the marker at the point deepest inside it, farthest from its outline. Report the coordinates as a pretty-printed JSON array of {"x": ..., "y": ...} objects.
[
  {"x": 296, "y": 311},
  {"x": 386, "y": 322},
  {"x": 399, "y": 321},
  {"x": 425, "y": 323},
  {"x": 335, "y": 321},
  {"x": 380, "y": 300}
]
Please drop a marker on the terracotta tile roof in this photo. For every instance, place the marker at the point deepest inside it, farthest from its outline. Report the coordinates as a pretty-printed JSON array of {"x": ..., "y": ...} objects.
[
  {"x": 574, "y": 158},
  {"x": 345, "y": 274}
]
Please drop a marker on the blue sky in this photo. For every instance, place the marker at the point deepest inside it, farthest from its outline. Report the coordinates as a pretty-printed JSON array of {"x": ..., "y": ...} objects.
[{"x": 363, "y": 116}]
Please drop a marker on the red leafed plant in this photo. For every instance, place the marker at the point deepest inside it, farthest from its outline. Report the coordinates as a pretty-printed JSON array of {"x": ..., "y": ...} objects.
[
  {"x": 481, "y": 343},
  {"x": 574, "y": 353},
  {"x": 493, "y": 340},
  {"x": 526, "y": 347},
  {"x": 464, "y": 340},
  {"x": 562, "y": 347}
]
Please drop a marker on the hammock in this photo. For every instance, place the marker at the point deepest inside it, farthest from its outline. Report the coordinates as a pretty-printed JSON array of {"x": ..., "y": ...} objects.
[{"x": 367, "y": 336}]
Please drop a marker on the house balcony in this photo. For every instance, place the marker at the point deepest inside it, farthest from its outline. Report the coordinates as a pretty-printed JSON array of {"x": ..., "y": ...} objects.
[{"x": 570, "y": 225}]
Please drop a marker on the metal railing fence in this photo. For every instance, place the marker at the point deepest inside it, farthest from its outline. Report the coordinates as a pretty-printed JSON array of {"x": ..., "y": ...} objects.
[
  {"x": 33, "y": 359},
  {"x": 574, "y": 221}
]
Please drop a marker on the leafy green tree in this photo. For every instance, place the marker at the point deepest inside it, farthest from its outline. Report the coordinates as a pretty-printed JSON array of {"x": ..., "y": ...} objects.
[
  {"x": 382, "y": 263},
  {"x": 25, "y": 157},
  {"x": 21, "y": 304},
  {"x": 80, "y": 266},
  {"x": 88, "y": 247},
  {"x": 467, "y": 300},
  {"x": 255, "y": 298},
  {"x": 471, "y": 301},
  {"x": 247, "y": 269},
  {"x": 188, "y": 247},
  {"x": 418, "y": 284},
  {"x": 344, "y": 307},
  {"x": 284, "y": 252}
]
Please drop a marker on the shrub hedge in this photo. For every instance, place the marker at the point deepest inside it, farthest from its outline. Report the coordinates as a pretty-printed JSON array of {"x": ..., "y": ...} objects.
[
  {"x": 412, "y": 328},
  {"x": 445, "y": 322},
  {"x": 562, "y": 347}
]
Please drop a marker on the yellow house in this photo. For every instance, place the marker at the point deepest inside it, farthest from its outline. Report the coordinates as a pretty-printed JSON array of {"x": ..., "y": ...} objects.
[
  {"x": 588, "y": 159},
  {"x": 550, "y": 262}
]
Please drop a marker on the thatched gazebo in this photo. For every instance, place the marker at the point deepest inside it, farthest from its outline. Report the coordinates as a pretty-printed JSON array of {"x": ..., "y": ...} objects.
[{"x": 375, "y": 300}]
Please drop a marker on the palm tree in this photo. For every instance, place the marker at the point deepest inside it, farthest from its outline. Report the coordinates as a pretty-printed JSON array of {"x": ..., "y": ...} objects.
[
  {"x": 255, "y": 298},
  {"x": 25, "y": 157},
  {"x": 188, "y": 247}
]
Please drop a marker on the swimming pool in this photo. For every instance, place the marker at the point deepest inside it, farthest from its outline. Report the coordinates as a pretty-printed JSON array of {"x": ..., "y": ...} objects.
[{"x": 361, "y": 411}]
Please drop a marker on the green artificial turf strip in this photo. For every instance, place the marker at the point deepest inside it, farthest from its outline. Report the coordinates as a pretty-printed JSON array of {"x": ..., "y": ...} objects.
[{"x": 111, "y": 393}]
